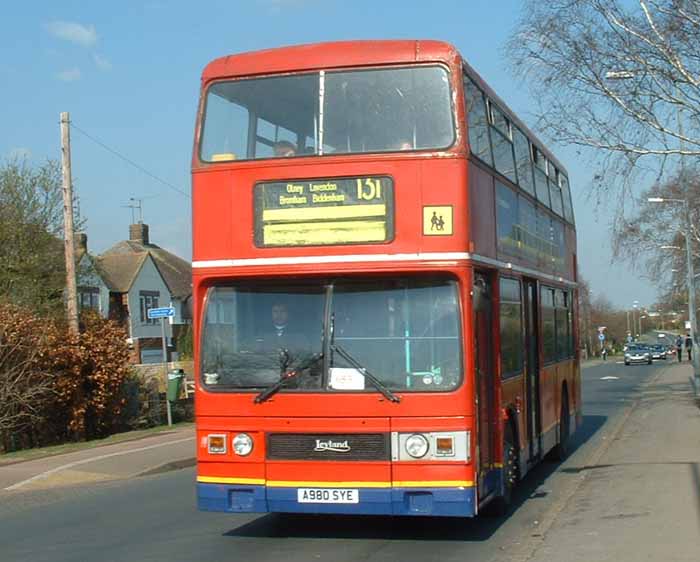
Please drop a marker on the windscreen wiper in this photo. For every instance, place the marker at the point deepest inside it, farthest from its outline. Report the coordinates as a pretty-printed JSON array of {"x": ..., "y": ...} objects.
[
  {"x": 287, "y": 375},
  {"x": 379, "y": 385}
]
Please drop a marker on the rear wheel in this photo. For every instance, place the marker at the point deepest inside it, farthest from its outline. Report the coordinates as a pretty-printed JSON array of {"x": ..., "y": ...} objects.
[{"x": 561, "y": 451}]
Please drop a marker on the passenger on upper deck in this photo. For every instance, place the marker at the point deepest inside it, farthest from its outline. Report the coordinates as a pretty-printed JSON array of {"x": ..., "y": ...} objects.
[
  {"x": 285, "y": 148},
  {"x": 404, "y": 144}
]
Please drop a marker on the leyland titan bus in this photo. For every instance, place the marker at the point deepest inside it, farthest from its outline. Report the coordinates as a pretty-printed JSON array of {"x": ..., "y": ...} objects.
[{"x": 384, "y": 285}]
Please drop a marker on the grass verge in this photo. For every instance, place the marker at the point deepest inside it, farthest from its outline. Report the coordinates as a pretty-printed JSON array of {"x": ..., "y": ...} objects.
[{"x": 41, "y": 452}]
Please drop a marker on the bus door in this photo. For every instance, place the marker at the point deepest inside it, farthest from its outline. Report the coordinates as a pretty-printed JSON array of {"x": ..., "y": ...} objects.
[
  {"x": 484, "y": 363},
  {"x": 532, "y": 366}
]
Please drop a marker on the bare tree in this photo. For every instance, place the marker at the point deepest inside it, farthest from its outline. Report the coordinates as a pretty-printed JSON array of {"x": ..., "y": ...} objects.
[
  {"x": 617, "y": 76},
  {"x": 25, "y": 387},
  {"x": 654, "y": 235}
]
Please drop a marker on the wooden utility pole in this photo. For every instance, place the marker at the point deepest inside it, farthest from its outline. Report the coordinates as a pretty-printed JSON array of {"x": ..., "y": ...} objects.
[{"x": 71, "y": 285}]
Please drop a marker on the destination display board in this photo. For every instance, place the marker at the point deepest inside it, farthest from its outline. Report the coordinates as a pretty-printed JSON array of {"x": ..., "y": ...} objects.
[{"x": 325, "y": 211}]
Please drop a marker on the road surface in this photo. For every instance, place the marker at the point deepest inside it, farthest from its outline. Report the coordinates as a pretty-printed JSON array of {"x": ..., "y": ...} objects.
[{"x": 154, "y": 518}]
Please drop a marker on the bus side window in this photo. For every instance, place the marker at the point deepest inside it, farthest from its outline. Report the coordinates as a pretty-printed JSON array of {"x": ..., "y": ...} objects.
[{"x": 477, "y": 122}]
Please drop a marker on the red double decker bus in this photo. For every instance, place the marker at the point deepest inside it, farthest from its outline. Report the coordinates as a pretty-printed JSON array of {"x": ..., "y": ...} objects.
[{"x": 384, "y": 285}]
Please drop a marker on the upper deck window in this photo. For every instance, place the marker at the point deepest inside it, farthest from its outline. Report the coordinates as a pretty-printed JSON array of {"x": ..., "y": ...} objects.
[
  {"x": 328, "y": 112},
  {"x": 478, "y": 121},
  {"x": 555, "y": 190},
  {"x": 524, "y": 161},
  {"x": 541, "y": 184},
  {"x": 502, "y": 141}
]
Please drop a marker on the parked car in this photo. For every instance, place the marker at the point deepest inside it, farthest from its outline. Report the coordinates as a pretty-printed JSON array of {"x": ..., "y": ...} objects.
[{"x": 637, "y": 353}]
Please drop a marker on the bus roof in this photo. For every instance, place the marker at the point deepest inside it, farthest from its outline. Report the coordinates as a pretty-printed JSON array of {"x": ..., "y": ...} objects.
[
  {"x": 330, "y": 55},
  {"x": 339, "y": 54}
]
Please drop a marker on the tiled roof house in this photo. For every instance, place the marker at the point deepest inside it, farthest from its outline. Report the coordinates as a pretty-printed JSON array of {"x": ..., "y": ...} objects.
[{"x": 141, "y": 275}]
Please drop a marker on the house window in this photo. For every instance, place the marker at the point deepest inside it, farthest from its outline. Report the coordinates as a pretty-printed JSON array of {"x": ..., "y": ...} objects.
[
  {"x": 147, "y": 301},
  {"x": 89, "y": 298}
]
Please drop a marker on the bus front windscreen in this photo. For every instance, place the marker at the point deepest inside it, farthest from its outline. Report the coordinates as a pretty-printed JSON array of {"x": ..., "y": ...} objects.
[
  {"x": 404, "y": 332},
  {"x": 329, "y": 112}
]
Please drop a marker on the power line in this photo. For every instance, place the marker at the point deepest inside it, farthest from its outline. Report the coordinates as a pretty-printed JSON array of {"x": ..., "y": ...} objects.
[{"x": 129, "y": 161}]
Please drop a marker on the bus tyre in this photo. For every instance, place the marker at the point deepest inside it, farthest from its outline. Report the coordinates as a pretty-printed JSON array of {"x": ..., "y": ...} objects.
[
  {"x": 500, "y": 504},
  {"x": 561, "y": 451}
]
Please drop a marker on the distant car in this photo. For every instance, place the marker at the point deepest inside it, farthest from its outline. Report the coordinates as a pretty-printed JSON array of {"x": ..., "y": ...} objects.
[
  {"x": 636, "y": 353},
  {"x": 658, "y": 351}
]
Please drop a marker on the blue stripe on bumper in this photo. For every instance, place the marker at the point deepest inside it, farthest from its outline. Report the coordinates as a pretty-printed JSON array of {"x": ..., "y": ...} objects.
[{"x": 455, "y": 502}]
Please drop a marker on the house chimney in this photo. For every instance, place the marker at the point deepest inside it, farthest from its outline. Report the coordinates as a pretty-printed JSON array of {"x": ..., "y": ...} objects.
[
  {"x": 139, "y": 233},
  {"x": 81, "y": 242}
]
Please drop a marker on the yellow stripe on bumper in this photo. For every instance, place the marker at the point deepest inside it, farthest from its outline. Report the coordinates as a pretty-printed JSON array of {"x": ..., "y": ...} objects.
[
  {"x": 341, "y": 484},
  {"x": 433, "y": 484},
  {"x": 223, "y": 480}
]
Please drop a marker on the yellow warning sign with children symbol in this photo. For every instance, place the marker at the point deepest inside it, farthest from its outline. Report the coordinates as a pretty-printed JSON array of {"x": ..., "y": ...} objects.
[{"x": 437, "y": 221}]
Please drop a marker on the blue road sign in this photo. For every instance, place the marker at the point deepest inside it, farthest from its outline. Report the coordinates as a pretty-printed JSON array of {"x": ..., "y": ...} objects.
[
  {"x": 601, "y": 337},
  {"x": 164, "y": 312}
]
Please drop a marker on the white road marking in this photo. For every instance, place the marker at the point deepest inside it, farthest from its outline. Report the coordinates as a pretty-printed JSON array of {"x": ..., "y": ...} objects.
[
  {"x": 609, "y": 378},
  {"x": 48, "y": 473}
]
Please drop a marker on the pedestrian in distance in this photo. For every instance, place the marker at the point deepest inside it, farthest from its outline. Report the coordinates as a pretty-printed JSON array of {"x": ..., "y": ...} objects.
[
  {"x": 689, "y": 346},
  {"x": 604, "y": 353},
  {"x": 679, "y": 348}
]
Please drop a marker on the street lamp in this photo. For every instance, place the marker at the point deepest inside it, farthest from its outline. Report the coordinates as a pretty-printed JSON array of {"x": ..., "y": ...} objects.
[{"x": 691, "y": 283}]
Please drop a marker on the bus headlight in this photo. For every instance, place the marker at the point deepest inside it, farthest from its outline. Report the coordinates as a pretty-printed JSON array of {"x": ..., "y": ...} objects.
[
  {"x": 242, "y": 444},
  {"x": 417, "y": 445}
]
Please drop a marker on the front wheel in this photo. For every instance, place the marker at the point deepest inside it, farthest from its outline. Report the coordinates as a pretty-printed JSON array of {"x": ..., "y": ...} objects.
[{"x": 499, "y": 506}]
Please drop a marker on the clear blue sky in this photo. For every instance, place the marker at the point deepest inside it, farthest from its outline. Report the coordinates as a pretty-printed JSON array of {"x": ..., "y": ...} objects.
[{"x": 128, "y": 72}]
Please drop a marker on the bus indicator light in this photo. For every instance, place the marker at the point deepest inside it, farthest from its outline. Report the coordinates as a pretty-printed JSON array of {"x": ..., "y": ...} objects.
[
  {"x": 445, "y": 446},
  {"x": 216, "y": 444}
]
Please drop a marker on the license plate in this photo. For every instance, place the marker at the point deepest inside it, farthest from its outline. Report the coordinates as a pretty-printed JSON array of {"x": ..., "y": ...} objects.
[{"x": 327, "y": 495}]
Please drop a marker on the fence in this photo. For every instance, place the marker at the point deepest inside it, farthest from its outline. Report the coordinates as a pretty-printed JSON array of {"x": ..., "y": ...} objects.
[{"x": 151, "y": 379}]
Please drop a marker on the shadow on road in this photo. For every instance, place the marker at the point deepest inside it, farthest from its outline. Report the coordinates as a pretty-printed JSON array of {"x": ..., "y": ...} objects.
[{"x": 283, "y": 525}]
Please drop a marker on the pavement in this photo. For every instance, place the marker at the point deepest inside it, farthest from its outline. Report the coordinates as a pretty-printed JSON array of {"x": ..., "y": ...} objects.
[
  {"x": 638, "y": 495},
  {"x": 128, "y": 459}
]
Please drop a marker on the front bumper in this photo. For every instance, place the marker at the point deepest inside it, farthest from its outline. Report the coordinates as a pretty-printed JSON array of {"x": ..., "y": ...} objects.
[
  {"x": 451, "y": 502},
  {"x": 637, "y": 359}
]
